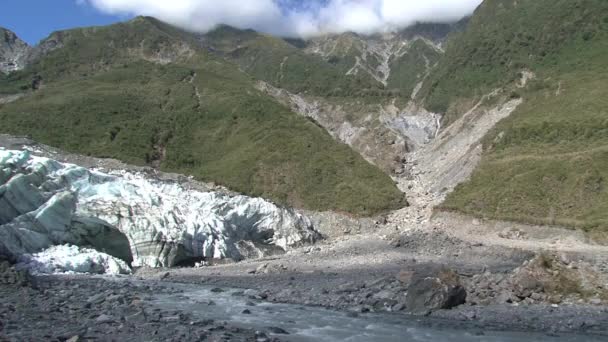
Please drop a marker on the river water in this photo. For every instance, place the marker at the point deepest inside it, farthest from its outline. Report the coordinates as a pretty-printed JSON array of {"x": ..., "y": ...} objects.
[{"x": 305, "y": 323}]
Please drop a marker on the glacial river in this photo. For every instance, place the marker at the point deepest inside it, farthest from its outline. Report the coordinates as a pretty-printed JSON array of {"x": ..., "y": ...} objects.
[{"x": 305, "y": 323}]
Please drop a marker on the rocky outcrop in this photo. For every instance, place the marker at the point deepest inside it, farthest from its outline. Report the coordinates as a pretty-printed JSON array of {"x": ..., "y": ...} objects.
[
  {"x": 545, "y": 279},
  {"x": 133, "y": 217},
  {"x": 364, "y": 127},
  {"x": 376, "y": 55},
  {"x": 434, "y": 288},
  {"x": 14, "y": 52}
]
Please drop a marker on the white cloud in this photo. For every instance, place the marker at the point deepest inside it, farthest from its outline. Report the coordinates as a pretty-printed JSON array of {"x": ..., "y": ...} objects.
[{"x": 362, "y": 16}]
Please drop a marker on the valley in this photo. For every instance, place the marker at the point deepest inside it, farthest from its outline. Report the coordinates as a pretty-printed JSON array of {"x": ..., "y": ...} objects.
[{"x": 450, "y": 176}]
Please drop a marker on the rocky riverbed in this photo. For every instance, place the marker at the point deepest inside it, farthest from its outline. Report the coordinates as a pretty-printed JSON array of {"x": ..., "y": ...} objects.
[
  {"x": 86, "y": 308},
  {"x": 73, "y": 308}
]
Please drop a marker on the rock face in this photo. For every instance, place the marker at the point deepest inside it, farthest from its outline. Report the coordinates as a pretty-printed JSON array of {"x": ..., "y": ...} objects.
[
  {"x": 547, "y": 278},
  {"x": 134, "y": 218},
  {"x": 434, "y": 288},
  {"x": 14, "y": 52}
]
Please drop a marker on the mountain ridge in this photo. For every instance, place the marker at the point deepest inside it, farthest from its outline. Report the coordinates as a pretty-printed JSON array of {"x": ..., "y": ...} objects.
[
  {"x": 525, "y": 76},
  {"x": 152, "y": 97}
]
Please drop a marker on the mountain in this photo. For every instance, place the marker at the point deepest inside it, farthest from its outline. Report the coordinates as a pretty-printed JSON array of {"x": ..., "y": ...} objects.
[
  {"x": 512, "y": 101},
  {"x": 147, "y": 93},
  {"x": 356, "y": 87},
  {"x": 548, "y": 161},
  {"x": 276, "y": 61},
  {"x": 13, "y": 52},
  {"x": 397, "y": 60}
]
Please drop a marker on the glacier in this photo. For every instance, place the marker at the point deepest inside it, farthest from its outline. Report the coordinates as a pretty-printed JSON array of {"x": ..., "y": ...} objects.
[
  {"x": 66, "y": 259},
  {"x": 135, "y": 217}
]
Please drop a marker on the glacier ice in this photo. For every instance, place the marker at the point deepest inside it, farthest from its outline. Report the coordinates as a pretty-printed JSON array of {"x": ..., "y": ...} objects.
[
  {"x": 72, "y": 259},
  {"x": 134, "y": 217}
]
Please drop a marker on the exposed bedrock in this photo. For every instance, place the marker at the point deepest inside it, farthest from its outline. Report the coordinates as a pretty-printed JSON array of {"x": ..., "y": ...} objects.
[{"x": 132, "y": 217}]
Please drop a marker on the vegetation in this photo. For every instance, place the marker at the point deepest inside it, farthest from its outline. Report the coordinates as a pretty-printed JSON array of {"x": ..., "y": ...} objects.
[
  {"x": 283, "y": 65},
  {"x": 548, "y": 162},
  {"x": 505, "y": 37},
  {"x": 410, "y": 69},
  {"x": 122, "y": 91}
]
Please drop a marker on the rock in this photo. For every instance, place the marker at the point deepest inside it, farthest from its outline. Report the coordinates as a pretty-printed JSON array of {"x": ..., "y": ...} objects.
[
  {"x": 398, "y": 307},
  {"x": 104, "y": 319},
  {"x": 278, "y": 331},
  {"x": 385, "y": 294},
  {"x": 377, "y": 283},
  {"x": 405, "y": 277},
  {"x": 73, "y": 339},
  {"x": 555, "y": 299},
  {"x": 469, "y": 315},
  {"x": 217, "y": 290},
  {"x": 116, "y": 298},
  {"x": 525, "y": 284},
  {"x": 11, "y": 276},
  {"x": 260, "y": 336},
  {"x": 96, "y": 299},
  {"x": 139, "y": 317},
  {"x": 512, "y": 234},
  {"x": 595, "y": 301},
  {"x": 348, "y": 288},
  {"x": 433, "y": 288},
  {"x": 207, "y": 302},
  {"x": 537, "y": 296},
  {"x": 246, "y": 312},
  {"x": 171, "y": 319},
  {"x": 360, "y": 309},
  {"x": 262, "y": 269},
  {"x": 504, "y": 297},
  {"x": 250, "y": 293}
]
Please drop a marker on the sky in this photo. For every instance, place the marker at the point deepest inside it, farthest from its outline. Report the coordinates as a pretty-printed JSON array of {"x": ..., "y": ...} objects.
[{"x": 33, "y": 20}]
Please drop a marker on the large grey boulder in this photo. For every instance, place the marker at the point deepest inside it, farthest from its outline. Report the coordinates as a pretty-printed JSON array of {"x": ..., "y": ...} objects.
[{"x": 434, "y": 287}]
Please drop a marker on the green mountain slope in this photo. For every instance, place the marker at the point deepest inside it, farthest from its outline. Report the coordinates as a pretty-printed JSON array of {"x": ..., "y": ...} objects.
[
  {"x": 284, "y": 65},
  {"x": 398, "y": 61},
  {"x": 546, "y": 163},
  {"x": 505, "y": 37},
  {"x": 145, "y": 93},
  {"x": 410, "y": 68}
]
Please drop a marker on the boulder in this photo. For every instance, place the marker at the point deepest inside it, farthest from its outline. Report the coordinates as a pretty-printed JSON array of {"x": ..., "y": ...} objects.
[
  {"x": 277, "y": 331},
  {"x": 433, "y": 288},
  {"x": 11, "y": 276},
  {"x": 526, "y": 283}
]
